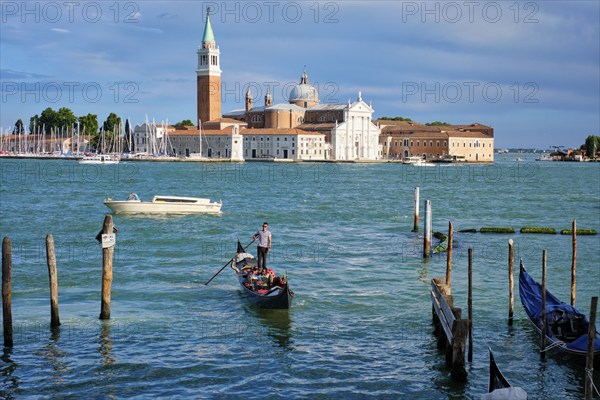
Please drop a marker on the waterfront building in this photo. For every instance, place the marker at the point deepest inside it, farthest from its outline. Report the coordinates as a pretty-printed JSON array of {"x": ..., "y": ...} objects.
[
  {"x": 150, "y": 138},
  {"x": 472, "y": 143},
  {"x": 237, "y": 143}
]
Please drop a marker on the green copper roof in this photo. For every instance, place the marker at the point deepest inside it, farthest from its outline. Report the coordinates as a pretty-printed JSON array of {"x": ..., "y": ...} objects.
[{"x": 209, "y": 36}]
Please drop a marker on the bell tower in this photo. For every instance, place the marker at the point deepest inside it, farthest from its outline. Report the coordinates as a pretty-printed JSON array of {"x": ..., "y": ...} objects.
[{"x": 209, "y": 76}]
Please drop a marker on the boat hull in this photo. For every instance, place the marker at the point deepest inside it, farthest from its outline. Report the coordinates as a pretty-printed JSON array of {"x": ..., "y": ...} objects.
[
  {"x": 530, "y": 293},
  {"x": 100, "y": 159},
  {"x": 280, "y": 298},
  {"x": 139, "y": 207}
]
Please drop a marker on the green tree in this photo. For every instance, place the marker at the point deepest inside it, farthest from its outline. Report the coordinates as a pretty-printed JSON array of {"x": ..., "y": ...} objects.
[
  {"x": 88, "y": 124},
  {"x": 65, "y": 118},
  {"x": 19, "y": 128},
  {"x": 185, "y": 122},
  {"x": 437, "y": 123},
  {"x": 48, "y": 120},
  {"x": 34, "y": 124},
  {"x": 591, "y": 145},
  {"x": 127, "y": 146},
  {"x": 396, "y": 119},
  {"x": 112, "y": 133}
]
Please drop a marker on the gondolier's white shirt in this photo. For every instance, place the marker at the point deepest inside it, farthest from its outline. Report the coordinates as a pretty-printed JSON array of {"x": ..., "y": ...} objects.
[{"x": 263, "y": 238}]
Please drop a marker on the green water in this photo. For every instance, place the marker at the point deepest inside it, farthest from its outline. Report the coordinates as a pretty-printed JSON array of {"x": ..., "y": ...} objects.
[{"x": 360, "y": 325}]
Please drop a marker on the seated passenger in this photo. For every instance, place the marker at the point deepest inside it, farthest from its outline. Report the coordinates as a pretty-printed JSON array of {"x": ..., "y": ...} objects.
[
  {"x": 267, "y": 278},
  {"x": 253, "y": 276}
]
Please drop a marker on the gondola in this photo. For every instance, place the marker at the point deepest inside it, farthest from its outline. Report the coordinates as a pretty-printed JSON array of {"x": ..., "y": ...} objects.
[
  {"x": 566, "y": 328},
  {"x": 498, "y": 387},
  {"x": 497, "y": 380},
  {"x": 279, "y": 296}
]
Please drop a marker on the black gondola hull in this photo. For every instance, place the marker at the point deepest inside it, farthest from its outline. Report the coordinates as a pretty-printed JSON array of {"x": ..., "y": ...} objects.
[{"x": 279, "y": 298}]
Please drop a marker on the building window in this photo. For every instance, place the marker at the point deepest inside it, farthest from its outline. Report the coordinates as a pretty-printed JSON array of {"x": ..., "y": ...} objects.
[
  {"x": 424, "y": 143},
  {"x": 418, "y": 142},
  {"x": 438, "y": 143},
  {"x": 431, "y": 143}
]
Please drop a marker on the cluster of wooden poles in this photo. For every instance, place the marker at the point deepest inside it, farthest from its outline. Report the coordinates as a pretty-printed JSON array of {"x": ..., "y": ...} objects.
[
  {"x": 107, "y": 276},
  {"x": 452, "y": 330}
]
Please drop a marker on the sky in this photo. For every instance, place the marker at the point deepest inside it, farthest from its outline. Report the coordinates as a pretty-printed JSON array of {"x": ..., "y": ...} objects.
[{"x": 529, "y": 69}]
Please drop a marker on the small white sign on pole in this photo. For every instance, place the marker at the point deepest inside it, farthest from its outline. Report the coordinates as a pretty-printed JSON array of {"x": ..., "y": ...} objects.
[{"x": 108, "y": 240}]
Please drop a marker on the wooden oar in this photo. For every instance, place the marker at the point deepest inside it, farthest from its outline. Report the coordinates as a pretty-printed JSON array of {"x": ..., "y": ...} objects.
[{"x": 229, "y": 262}]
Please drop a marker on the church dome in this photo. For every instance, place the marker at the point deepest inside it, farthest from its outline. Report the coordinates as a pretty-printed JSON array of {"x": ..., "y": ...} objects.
[{"x": 304, "y": 92}]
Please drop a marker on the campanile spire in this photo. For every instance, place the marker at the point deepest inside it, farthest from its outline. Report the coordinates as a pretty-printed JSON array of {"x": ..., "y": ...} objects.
[{"x": 209, "y": 75}]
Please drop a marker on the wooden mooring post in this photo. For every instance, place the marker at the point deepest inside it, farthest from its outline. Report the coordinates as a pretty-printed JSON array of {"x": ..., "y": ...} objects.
[
  {"x": 511, "y": 281},
  {"x": 53, "y": 278},
  {"x": 416, "y": 217},
  {"x": 589, "y": 361},
  {"x": 7, "y": 292},
  {"x": 107, "y": 274},
  {"x": 449, "y": 258},
  {"x": 427, "y": 235},
  {"x": 470, "y": 303},
  {"x": 543, "y": 338},
  {"x": 450, "y": 329},
  {"x": 574, "y": 264}
]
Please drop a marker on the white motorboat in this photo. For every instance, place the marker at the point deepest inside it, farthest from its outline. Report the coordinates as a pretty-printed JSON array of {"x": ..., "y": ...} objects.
[
  {"x": 417, "y": 161},
  {"x": 100, "y": 159},
  {"x": 165, "y": 205}
]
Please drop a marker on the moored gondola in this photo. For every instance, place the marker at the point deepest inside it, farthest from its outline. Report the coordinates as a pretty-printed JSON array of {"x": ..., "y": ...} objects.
[
  {"x": 274, "y": 295},
  {"x": 497, "y": 379},
  {"x": 498, "y": 387},
  {"x": 566, "y": 328}
]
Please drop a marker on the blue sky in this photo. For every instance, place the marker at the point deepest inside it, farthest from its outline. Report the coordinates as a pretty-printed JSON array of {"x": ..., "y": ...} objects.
[{"x": 529, "y": 69}]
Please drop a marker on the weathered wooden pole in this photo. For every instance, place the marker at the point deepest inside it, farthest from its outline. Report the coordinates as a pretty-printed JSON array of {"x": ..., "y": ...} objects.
[
  {"x": 511, "y": 281},
  {"x": 7, "y": 292},
  {"x": 573, "y": 264},
  {"x": 416, "y": 219},
  {"x": 589, "y": 362},
  {"x": 543, "y": 340},
  {"x": 470, "y": 303},
  {"x": 53, "y": 278},
  {"x": 427, "y": 236},
  {"x": 449, "y": 258},
  {"x": 460, "y": 330},
  {"x": 107, "y": 275}
]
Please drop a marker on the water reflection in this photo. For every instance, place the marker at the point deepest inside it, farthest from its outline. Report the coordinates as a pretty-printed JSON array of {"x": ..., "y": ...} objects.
[
  {"x": 276, "y": 324},
  {"x": 10, "y": 382},
  {"x": 105, "y": 344},
  {"x": 424, "y": 272},
  {"x": 55, "y": 356}
]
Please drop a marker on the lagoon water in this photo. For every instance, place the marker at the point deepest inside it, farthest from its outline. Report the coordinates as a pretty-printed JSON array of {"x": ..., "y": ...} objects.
[{"x": 360, "y": 325}]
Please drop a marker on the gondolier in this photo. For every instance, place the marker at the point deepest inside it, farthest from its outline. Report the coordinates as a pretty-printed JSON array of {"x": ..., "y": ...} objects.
[{"x": 264, "y": 245}]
